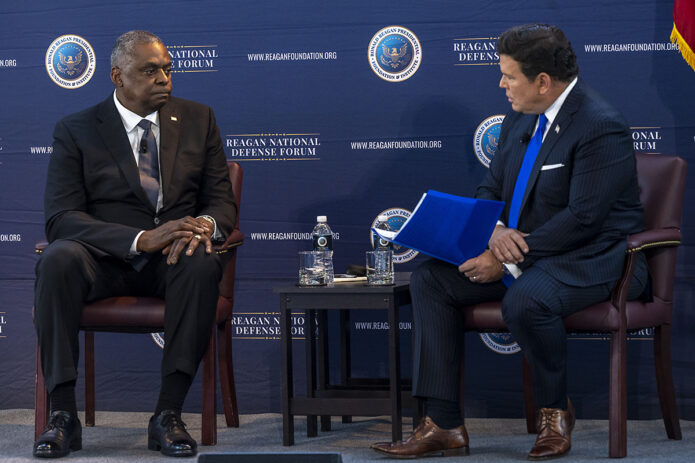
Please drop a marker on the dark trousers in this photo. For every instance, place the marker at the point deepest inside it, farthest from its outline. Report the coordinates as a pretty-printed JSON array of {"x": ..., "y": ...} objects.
[
  {"x": 533, "y": 308},
  {"x": 68, "y": 275}
]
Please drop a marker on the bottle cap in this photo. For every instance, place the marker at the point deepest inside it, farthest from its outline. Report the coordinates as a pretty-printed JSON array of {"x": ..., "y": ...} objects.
[{"x": 321, "y": 218}]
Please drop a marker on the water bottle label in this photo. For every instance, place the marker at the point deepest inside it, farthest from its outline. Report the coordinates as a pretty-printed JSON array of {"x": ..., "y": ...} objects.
[
  {"x": 323, "y": 242},
  {"x": 380, "y": 243}
]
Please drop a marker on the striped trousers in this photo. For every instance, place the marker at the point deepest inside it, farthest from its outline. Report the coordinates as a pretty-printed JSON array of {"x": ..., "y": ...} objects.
[{"x": 533, "y": 308}]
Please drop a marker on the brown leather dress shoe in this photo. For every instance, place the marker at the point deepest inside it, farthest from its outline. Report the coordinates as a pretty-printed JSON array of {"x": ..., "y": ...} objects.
[
  {"x": 554, "y": 428},
  {"x": 428, "y": 439}
]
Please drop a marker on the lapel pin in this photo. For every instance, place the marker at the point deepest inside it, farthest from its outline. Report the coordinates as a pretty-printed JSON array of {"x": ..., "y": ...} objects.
[
  {"x": 174, "y": 118},
  {"x": 557, "y": 129}
]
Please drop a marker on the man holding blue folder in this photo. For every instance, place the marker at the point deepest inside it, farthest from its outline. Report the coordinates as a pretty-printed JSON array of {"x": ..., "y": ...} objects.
[{"x": 565, "y": 169}]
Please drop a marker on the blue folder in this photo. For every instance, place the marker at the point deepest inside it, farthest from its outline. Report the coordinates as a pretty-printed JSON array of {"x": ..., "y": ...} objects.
[{"x": 448, "y": 227}]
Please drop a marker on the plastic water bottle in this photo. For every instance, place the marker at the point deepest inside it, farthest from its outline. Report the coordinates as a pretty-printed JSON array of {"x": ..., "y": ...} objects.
[
  {"x": 323, "y": 241},
  {"x": 380, "y": 244}
]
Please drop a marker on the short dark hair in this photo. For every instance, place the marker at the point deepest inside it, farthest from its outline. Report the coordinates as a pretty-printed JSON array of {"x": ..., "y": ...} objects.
[
  {"x": 124, "y": 48},
  {"x": 540, "y": 48}
]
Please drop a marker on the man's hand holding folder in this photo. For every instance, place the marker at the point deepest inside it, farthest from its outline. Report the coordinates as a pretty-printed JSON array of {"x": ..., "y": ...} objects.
[
  {"x": 451, "y": 228},
  {"x": 483, "y": 269}
]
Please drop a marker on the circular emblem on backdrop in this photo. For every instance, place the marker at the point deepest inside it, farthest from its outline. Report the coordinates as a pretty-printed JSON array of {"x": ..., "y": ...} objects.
[
  {"x": 487, "y": 136},
  {"x": 396, "y": 219},
  {"x": 70, "y": 61},
  {"x": 502, "y": 343},
  {"x": 158, "y": 338},
  {"x": 394, "y": 53}
]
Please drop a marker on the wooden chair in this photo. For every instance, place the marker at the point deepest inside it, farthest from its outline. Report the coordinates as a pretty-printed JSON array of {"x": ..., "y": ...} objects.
[
  {"x": 146, "y": 315},
  {"x": 662, "y": 187}
]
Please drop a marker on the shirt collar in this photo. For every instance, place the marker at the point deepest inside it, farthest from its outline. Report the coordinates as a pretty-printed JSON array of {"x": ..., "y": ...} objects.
[
  {"x": 130, "y": 119},
  {"x": 554, "y": 108}
]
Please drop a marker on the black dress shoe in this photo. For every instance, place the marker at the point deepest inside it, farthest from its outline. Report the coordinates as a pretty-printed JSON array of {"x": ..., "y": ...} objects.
[
  {"x": 167, "y": 432},
  {"x": 62, "y": 434}
]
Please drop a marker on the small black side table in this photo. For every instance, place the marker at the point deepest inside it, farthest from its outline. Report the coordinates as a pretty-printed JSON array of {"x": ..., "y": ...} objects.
[{"x": 344, "y": 401}]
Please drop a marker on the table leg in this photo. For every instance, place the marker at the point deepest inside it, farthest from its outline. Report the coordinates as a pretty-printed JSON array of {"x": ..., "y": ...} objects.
[
  {"x": 310, "y": 348},
  {"x": 287, "y": 380},
  {"x": 345, "y": 366},
  {"x": 323, "y": 362},
  {"x": 395, "y": 371}
]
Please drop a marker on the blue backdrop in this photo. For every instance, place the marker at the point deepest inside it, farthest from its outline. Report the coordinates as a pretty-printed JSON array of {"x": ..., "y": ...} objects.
[{"x": 319, "y": 130}]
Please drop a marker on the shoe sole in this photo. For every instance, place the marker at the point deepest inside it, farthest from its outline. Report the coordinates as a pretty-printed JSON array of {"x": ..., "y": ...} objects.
[
  {"x": 550, "y": 457},
  {"x": 154, "y": 445},
  {"x": 458, "y": 452}
]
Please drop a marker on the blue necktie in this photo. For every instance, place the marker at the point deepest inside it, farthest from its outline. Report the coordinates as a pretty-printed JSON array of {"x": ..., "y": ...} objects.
[
  {"x": 534, "y": 146},
  {"x": 149, "y": 163}
]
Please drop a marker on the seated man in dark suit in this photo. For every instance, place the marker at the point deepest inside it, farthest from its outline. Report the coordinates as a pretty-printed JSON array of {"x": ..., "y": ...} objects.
[
  {"x": 565, "y": 168},
  {"x": 137, "y": 190}
]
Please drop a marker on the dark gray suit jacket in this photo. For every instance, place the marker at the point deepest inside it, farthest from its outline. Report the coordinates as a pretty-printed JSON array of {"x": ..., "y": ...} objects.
[
  {"x": 582, "y": 199},
  {"x": 93, "y": 193}
]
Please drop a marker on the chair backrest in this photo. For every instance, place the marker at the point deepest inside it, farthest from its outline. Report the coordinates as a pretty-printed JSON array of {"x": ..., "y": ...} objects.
[
  {"x": 662, "y": 189},
  {"x": 236, "y": 175}
]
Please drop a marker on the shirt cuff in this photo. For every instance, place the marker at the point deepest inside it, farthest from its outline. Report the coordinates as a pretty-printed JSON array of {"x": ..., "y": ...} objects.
[
  {"x": 215, "y": 234},
  {"x": 512, "y": 270},
  {"x": 134, "y": 246}
]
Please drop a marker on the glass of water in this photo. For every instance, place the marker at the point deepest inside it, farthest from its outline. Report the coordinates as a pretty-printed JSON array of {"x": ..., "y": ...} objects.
[
  {"x": 380, "y": 267},
  {"x": 312, "y": 270}
]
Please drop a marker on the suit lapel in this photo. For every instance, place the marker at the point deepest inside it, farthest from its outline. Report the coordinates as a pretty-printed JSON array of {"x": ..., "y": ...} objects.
[
  {"x": 111, "y": 130},
  {"x": 555, "y": 132},
  {"x": 169, "y": 120}
]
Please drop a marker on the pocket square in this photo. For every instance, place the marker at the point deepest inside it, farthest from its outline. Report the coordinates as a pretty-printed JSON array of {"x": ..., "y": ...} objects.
[{"x": 551, "y": 166}]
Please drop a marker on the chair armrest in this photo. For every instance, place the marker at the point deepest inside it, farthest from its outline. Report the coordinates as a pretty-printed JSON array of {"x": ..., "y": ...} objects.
[
  {"x": 660, "y": 237},
  {"x": 654, "y": 238},
  {"x": 40, "y": 246},
  {"x": 235, "y": 239}
]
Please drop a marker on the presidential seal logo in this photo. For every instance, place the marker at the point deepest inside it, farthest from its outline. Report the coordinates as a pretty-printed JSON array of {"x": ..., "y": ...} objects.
[
  {"x": 396, "y": 219},
  {"x": 487, "y": 136},
  {"x": 70, "y": 61},
  {"x": 502, "y": 343},
  {"x": 394, "y": 53}
]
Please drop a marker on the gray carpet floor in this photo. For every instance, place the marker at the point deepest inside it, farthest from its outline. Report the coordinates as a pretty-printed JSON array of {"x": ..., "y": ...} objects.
[{"x": 121, "y": 438}]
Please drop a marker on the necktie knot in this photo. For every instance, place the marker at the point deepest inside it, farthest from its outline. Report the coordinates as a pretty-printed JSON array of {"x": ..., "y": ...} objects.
[{"x": 145, "y": 125}]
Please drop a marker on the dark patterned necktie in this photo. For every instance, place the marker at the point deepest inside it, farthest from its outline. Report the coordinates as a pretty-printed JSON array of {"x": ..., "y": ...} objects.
[{"x": 149, "y": 163}]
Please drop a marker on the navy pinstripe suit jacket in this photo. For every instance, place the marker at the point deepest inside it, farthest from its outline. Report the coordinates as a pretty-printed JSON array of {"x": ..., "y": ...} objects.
[{"x": 582, "y": 198}]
